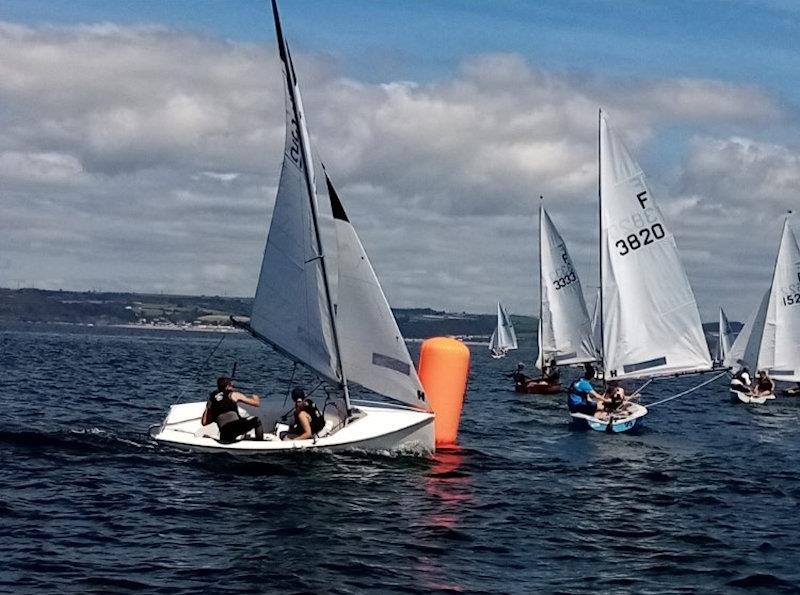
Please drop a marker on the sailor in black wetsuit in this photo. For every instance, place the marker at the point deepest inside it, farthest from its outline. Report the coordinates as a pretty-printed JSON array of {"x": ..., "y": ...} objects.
[{"x": 222, "y": 408}]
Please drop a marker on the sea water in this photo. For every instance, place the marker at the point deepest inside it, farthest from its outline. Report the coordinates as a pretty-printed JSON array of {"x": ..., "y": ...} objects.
[{"x": 704, "y": 498}]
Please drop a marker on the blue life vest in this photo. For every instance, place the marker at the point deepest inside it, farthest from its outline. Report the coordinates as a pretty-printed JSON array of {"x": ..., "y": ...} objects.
[{"x": 576, "y": 396}]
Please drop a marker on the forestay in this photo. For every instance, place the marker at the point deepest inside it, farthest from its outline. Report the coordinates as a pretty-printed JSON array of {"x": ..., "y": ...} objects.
[
  {"x": 563, "y": 305},
  {"x": 504, "y": 338},
  {"x": 290, "y": 309},
  {"x": 374, "y": 353},
  {"x": 651, "y": 325}
]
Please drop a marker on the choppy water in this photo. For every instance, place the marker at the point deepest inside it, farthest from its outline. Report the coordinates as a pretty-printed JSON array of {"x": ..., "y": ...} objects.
[{"x": 703, "y": 499}]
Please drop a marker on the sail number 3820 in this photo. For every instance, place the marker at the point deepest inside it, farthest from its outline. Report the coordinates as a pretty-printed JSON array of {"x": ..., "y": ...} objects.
[{"x": 643, "y": 237}]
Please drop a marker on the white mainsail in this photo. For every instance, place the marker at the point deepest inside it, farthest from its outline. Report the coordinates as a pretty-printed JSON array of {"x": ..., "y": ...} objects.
[
  {"x": 504, "y": 338},
  {"x": 785, "y": 309},
  {"x": 291, "y": 309},
  {"x": 724, "y": 337},
  {"x": 770, "y": 340},
  {"x": 744, "y": 351},
  {"x": 565, "y": 328},
  {"x": 651, "y": 324},
  {"x": 374, "y": 353}
]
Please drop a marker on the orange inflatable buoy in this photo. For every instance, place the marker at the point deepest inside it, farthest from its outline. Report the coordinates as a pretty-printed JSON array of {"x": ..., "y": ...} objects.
[{"x": 443, "y": 371}]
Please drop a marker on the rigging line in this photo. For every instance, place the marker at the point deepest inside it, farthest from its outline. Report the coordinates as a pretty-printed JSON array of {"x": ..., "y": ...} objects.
[
  {"x": 639, "y": 390},
  {"x": 291, "y": 381},
  {"x": 200, "y": 368},
  {"x": 686, "y": 392}
]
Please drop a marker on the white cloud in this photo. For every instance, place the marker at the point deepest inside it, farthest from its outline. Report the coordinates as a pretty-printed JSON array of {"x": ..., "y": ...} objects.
[{"x": 148, "y": 158}]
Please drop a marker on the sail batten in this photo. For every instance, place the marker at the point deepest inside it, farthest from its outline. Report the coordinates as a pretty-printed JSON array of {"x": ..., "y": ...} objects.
[{"x": 651, "y": 324}]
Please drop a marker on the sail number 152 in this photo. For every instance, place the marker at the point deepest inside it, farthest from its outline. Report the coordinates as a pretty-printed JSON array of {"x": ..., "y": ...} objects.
[{"x": 643, "y": 237}]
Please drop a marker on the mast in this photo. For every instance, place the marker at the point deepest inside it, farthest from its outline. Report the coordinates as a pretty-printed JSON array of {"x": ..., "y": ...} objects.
[
  {"x": 602, "y": 345},
  {"x": 541, "y": 306},
  {"x": 291, "y": 80}
]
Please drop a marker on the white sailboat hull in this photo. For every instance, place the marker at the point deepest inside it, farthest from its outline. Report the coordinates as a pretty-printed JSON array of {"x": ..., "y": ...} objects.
[
  {"x": 377, "y": 429},
  {"x": 619, "y": 423},
  {"x": 739, "y": 397}
]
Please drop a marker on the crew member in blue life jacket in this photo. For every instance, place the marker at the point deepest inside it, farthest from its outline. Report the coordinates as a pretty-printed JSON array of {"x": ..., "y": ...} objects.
[
  {"x": 308, "y": 420},
  {"x": 581, "y": 397},
  {"x": 222, "y": 408}
]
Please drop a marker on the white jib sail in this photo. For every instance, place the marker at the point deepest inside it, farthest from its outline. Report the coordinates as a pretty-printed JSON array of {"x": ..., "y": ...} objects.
[
  {"x": 651, "y": 325},
  {"x": 745, "y": 349},
  {"x": 780, "y": 346},
  {"x": 724, "y": 338},
  {"x": 504, "y": 338},
  {"x": 562, "y": 298},
  {"x": 374, "y": 353},
  {"x": 290, "y": 308}
]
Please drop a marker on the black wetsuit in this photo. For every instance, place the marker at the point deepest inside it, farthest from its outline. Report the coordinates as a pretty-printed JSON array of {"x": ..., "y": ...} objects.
[{"x": 223, "y": 410}]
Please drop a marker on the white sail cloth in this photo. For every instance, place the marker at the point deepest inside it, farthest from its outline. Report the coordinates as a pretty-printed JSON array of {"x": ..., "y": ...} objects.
[
  {"x": 290, "y": 309},
  {"x": 770, "y": 339},
  {"x": 565, "y": 328},
  {"x": 293, "y": 310},
  {"x": 504, "y": 338},
  {"x": 374, "y": 353},
  {"x": 724, "y": 337},
  {"x": 651, "y": 323}
]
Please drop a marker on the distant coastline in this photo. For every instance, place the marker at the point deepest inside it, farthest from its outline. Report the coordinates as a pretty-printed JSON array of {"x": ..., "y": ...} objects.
[{"x": 211, "y": 313}]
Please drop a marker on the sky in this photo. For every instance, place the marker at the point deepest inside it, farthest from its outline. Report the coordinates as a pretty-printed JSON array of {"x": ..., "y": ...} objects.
[{"x": 141, "y": 141}]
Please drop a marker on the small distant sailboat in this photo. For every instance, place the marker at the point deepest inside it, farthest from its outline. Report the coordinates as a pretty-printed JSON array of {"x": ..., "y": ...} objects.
[
  {"x": 770, "y": 338},
  {"x": 504, "y": 339},
  {"x": 724, "y": 339},
  {"x": 565, "y": 328},
  {"x": 352, "y": 337},
  {"x": 649, "y": 322}
]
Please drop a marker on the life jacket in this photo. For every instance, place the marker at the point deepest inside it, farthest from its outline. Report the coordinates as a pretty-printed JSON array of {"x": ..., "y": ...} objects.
[
  {"x": 222, "y": 409},
  {"x": 574, "y": 390},
  {"x": 317, "y": 422},
  {"x": 317, "y": 419}
]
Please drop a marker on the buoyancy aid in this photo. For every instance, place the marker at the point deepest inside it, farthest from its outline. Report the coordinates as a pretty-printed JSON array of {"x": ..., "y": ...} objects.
[
  {"x": 317, "y": 421},
  {"x": 222, "y": 408}
]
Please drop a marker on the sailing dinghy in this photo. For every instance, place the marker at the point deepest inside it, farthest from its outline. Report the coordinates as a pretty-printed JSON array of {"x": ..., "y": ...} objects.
[
  {"x": 504, "y": 339},
  {"x": 350, "y": 337},
  {"x": 770, "y": 338},
  {"x": 649, "y": 322},
  {"x": 565, "y": 328}
]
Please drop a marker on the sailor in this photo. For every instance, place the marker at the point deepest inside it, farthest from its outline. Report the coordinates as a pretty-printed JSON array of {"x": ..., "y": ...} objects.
[
  {"x": 550, "y": 373},
  {"x": 613, "y": 398},
  {"x": 222, "y": 408},
  {"x": 308, "y": 420},
  {"x": 520, "y": 379},
  {"x": 741, "y": 382},
  {"x": 764, "y": 384},
  {"x": 581, "y": 396}
]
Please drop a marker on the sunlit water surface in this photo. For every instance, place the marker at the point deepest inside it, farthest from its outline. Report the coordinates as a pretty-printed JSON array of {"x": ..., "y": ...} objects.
[{"x": 704, "y": 498}]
